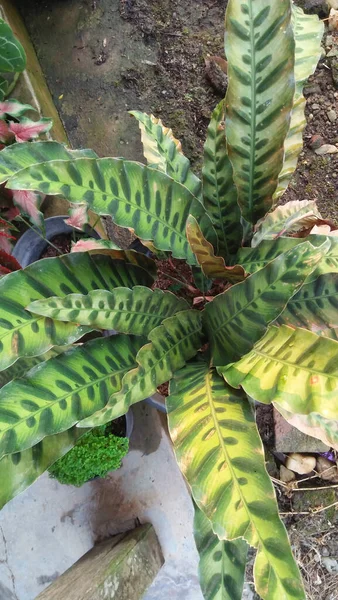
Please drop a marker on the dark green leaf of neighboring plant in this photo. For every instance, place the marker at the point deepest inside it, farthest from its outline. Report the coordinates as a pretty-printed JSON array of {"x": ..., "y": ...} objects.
[
  {"x": 238, "y": 318},
  {"x": 220, "y": 452},
  {"x": 222, "y": 563},
  {"x": 219, "y": 191},
  {"x": 145, "y": 200},
  {"x": 18, "y": 471},
  {"x": 12, "y": 54},
  {"x": 171, "y": 344},
  {"x": 56, "y": 394},
  {"x": 19, "y": 156},
  {"x": 259, "y": 46},
  {"x": 136, "y": 311},
  {"x": 164, "y": 152},
  {"x": 23, "y": 334}
]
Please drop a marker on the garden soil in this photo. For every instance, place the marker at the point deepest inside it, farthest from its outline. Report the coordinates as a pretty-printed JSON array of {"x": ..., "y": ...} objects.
[{"x": 102, "y": 58}]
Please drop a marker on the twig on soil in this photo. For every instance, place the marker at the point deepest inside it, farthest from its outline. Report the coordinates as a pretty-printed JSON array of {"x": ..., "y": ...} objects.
[
  {"x": 314, "y": 489},
  {"x": 172, "y": 34},
  {"x": 315, "y": 511}
]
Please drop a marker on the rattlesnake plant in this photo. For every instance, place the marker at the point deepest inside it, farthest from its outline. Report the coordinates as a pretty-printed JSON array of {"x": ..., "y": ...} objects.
[{"x": 270, "y": 337}]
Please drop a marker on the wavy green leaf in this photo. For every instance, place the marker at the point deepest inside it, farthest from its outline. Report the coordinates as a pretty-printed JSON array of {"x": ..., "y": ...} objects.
[
  {"x": 19, "y": 156},
  {"x": 12, "y": 54},
  {"x": 164, "y": 152},
  {"x": 56, "y": 394},
  {"x": 259, "y": 45},
  {"x": 213, "y": 267},
  {"x": 315, "y": 307},
  {"x": 219, "y": 450},
  {"x": 18, "y": 471},
  {"x": 237, "y": 319},
  {"x": 222, "y": 564},
  {"x": 145, "y": 200},
  {"x": 137, "y": 311},
  {"x": 219, "y": 191},
  {"x": 308, "y": 33},
  {"x": 254, "y": 259},
  {"x": 288, "y": 218},
  {"x": 23, "y": 334},
  {"x": 22, "y": 365},
  {"x": 171, "y": 344},
  {"x": 295, "y": 368}
]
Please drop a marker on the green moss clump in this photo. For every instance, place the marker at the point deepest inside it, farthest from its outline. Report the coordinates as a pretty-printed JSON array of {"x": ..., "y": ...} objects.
[{"x": 94, "y": 455}]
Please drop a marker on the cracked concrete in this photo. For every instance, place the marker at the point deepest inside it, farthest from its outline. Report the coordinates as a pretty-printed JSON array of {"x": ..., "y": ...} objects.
[{"x": 4, "y": 561}]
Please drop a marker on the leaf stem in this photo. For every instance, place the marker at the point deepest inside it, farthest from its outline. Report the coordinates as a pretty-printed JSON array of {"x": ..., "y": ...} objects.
[{"x": 39, "y": 233}]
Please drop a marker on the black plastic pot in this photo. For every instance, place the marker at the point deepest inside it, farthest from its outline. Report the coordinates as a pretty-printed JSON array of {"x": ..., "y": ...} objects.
[{"x": 31, "y": 246}]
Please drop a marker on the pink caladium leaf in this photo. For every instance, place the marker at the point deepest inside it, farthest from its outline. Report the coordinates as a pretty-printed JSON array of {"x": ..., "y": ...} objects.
[
  {"x": 14, "y": 108},
  {"x": 28, "y": 130},
  {"x": 5, "y": 134},
  {"x": 78, "y": 216},
  {"x": 29, "y": 203},
  {"x": 92, "y": 244},
  {"x": 6, "y": 241}
]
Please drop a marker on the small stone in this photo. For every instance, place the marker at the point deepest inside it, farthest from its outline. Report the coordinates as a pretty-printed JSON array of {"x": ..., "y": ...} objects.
[
  {"x": 330, "y": 564},
  {"x": 315, "y": 106},
  {"x": 313, "y": 88},
  {"x": 326, "y": 469},
  {"x": 326, "y": 149},
  {"x": 289, "y": 439},
  {"x": 332, "y": 4},
  {"x": 333, "y": 20},
  {"x": 325, "y": 551},
  {"x": 332, "y": 115},
  {"x": 301, "y": 463},
  {"x": 334, "y": 69},
  {"x": 286, "y": 475},
  {"x": 316, "y": 141}
]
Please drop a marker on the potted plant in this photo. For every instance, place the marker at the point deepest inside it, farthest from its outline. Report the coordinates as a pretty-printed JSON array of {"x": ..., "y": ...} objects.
[
  {"x": 238, "y": 337},
  {"x": 97, "y": 452}
]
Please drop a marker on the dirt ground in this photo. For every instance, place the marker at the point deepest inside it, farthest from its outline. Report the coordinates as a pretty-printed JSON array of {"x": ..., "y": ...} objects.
[{"x": 104, "y": 57}]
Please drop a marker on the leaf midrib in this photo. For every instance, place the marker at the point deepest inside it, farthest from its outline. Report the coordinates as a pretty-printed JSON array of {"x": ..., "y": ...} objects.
[
  {"x": 295, "y": 366},
  {"x": 253, "y": 110},
  {"x": 234, "y": 478}
]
